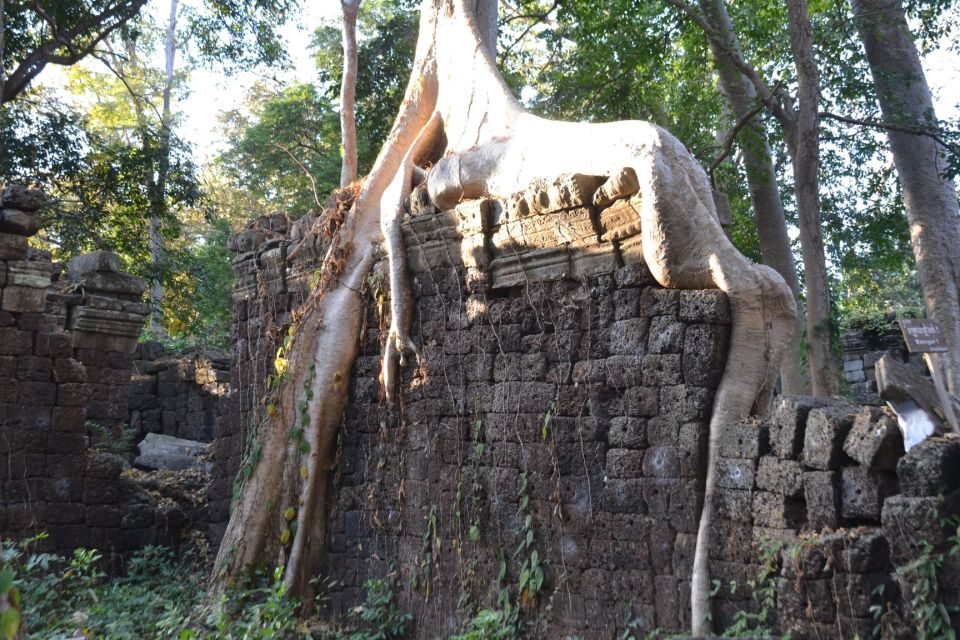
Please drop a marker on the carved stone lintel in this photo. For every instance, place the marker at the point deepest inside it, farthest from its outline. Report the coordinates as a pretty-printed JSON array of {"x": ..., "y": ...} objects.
[{"x": 621, "y": 219}]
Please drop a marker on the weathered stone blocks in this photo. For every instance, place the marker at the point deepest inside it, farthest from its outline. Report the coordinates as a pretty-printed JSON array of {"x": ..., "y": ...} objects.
[
  {"x": 821, "y": 490},
  {"x": 776, "y": 511},
  {"x": 789, "y": 424},
  {"x": 930, "y": 468},
  {"x": 746, "y": 440},
  {"x": 826, "y": 431},
  {"x": 863, "y": 491},
  {"x": 875, "y": 440},
  {"x": 22, "y": 198},
  {"x": 704, "y": 354},
  {"x": 784, "y": 477},
  {"x": 704, "y": 306},
  {"x": 734, "y": 473}
]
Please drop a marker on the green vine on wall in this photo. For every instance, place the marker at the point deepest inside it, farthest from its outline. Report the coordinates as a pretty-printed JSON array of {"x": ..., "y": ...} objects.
[
  {"x": 764, "y": 587},
  {"x": 476, "y": 495},
  {"x": 430, "y": 554},
  {"x": 931, "y": 615}
]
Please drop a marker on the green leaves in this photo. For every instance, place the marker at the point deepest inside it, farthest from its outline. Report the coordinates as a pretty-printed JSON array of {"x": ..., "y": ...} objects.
[
  {"x": 6, "y": 580},
  {"x": 283, "y": 145},
  {"x": 9, "y": 624},
  {"x": 10, "y": 597}
]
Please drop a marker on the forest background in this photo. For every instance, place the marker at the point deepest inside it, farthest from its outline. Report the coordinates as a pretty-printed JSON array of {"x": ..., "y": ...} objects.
[{"x": 126, "y": 145}]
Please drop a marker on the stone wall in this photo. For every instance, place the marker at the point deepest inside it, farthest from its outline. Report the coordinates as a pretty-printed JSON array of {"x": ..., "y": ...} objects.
[
  {"x": 582, "y": 404},
  {"x": 177, "y": 394},
  {"x": 66, "y": 349},
  {"x": 563, "y": 385},
  {"x": 562, "y": 408},
  {"x": 829, "y": 483},
  {"x": 862, "y": 348},
  {"x": 262, "y": 305}
]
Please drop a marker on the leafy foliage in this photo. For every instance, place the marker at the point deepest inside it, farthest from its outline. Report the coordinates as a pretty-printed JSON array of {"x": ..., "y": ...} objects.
[
  {"x": 163, "y": 596},
  {"x": 284, "y": 147},
  {"x": 379, "y": 615}
]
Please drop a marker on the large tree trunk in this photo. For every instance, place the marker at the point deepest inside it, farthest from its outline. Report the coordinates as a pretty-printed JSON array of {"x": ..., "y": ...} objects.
[
  {"x": 495, "y": 148},
  {"x": 348, "y": 88},
  {"x": 762, "y": 179},
  {"x": 930, "y": 198},
  {"x": 803, "y": 141}
]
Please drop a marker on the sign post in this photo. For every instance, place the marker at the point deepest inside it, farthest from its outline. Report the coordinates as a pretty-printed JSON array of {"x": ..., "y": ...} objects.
[{"x": 923, "y": 336}]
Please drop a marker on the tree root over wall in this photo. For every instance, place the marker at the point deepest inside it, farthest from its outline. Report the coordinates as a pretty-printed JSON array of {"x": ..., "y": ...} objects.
[{"x": 459, "y": 121}]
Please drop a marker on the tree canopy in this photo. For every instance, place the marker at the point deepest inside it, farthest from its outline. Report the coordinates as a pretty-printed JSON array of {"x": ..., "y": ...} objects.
[{"x": 564, "y": 58}]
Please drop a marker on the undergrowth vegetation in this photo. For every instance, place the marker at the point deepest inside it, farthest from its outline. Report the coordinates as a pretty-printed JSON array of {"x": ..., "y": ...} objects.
[{"x": 161, "y": 595}]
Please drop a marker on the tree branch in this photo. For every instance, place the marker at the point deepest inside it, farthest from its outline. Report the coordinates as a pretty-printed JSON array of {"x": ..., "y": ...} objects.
[
  {"x": 727, "y": 147},
  {"x": 532, "y": 16},
  {"x": 732, "y": 57},
  {"x": 313, "y": 183},
  {"x": 934, "y": 134},
  {"x": 538, "y": 19},
  {"x": 96, "y": 27},
  {"x": 136, "y": 96}
]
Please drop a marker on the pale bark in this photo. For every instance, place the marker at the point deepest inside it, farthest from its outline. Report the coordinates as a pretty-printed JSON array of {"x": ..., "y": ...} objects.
[
  {"x": 495, "y": 148},
  {"x": 159, "y": 195},
  {"x": 929, "y": 198},
  {"x": 761, "y": 177},
  {"x": 3, "y": 68},
  {"x": 804, "y": 146},
  {"x": 348, "y": 88}
]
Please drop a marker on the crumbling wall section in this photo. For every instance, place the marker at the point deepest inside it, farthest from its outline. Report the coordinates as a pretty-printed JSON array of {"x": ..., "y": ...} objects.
[
  {"x": 563, "y": 396},
  {"x": 862, "y": 349},
  {"x": 823, "y": 500},
  {"x": 65, "y": 357},
  {"x": 177, "y": 394}
]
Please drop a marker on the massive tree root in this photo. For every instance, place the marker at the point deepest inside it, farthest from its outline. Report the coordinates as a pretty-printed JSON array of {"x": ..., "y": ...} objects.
[{"x": 457, "y": 100}]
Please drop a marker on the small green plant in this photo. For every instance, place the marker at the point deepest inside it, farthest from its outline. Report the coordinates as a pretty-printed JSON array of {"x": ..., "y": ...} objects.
[
  {"x": 258, "y": 613},
  {"x": 631, "y": 625},
  {"x": 379, "y": 615},
  {"x": 9, "y": 604},
  {"x": 465, "y": 601},
  {"x": 432, "y": 545},
  {"x": 64, "y": 597},
  {"x": 488, "y": 624},
  {"x": 764, "y": 588},
  {"x": 252, "y": 452},
  {"x": 120, "y": 446},
  {"x": 531, "y": 570},
  {"x": 930, "y": 614}
]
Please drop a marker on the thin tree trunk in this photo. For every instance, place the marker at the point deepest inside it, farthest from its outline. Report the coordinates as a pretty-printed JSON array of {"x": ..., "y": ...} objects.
[
  {"x": 348, "y": 87},
  {"x": 3, "y": 69},
  {"x": 801, "y": 130},
  {"x": 930, "y": 199},
  {"x": 486, "y": 18},
  {"x": 761, "y": 177},
  {"x": 158, "y": 199},
  {"x": 804, "y": 145}
]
